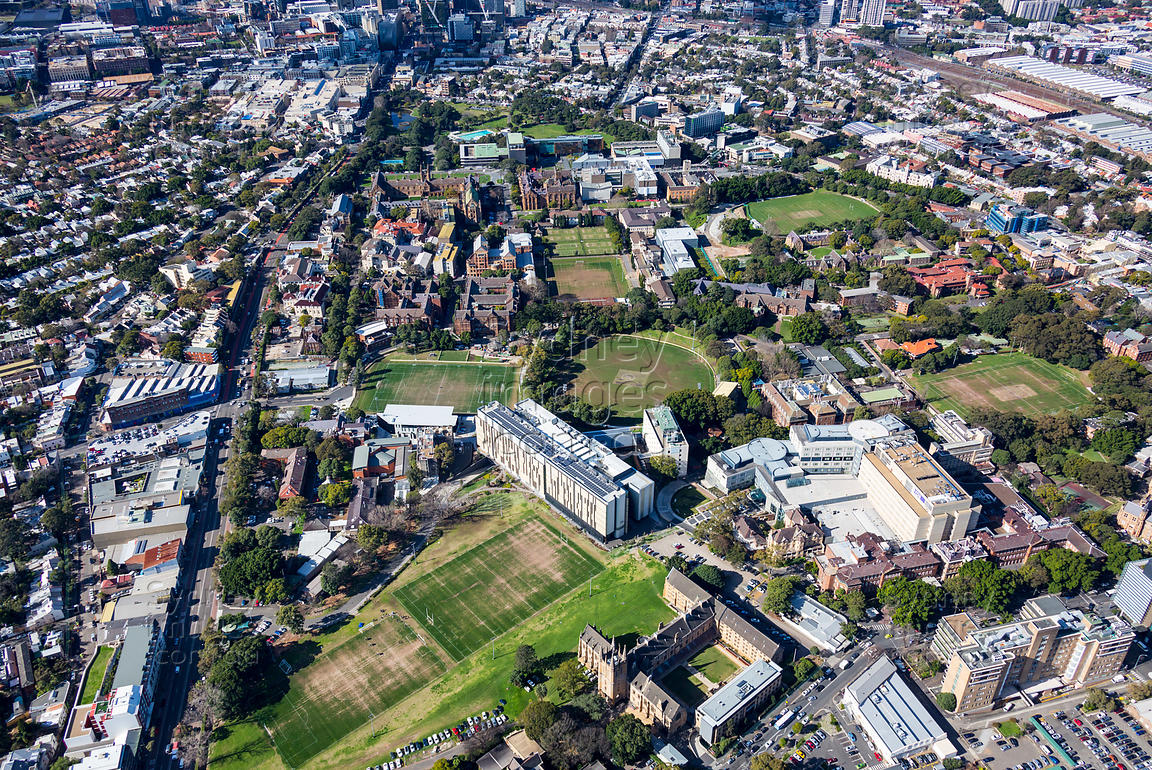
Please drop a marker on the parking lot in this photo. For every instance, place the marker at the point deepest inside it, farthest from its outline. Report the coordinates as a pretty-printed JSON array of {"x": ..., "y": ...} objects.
[{"x": 1101, "y": 740}]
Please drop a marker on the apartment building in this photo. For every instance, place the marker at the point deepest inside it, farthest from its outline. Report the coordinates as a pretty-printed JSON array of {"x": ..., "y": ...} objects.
[
  {"x": 576, "y": 475},
  {"x": 1049, "y": 646}
]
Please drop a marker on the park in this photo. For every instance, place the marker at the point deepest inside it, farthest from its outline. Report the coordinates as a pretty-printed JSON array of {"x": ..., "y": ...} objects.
[{"x": 439, "y": 642}]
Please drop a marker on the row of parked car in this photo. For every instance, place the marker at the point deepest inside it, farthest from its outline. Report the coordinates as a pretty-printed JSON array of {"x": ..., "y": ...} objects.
[{"x": 473, "y": 725}]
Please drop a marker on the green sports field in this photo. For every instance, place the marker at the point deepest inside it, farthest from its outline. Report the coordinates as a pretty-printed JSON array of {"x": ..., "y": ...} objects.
[
  {"x": 464, "y": 386},
  {"x": 327, "y": 699},
  {"x": 392, "y": 689},
  {"x": 483, "y": 593},
  {"x": 579, "y": 241},
  {"x": 820, "y": 208},
  {"x": 587, "y": 277},
  {"x": 632, "y": 374},
  {"x": 1010, "y": 382}
]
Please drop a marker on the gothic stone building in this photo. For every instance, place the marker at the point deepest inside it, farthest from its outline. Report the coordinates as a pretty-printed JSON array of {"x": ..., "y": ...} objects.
[{"x": 633, "y": 676}]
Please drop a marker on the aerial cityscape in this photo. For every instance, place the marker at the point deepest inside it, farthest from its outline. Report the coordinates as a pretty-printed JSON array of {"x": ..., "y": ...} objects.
[{"x": 576, "y": 384}]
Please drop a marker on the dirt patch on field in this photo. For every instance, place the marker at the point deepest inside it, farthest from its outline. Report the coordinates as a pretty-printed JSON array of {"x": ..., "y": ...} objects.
[{"x": 1011, "y": 392}]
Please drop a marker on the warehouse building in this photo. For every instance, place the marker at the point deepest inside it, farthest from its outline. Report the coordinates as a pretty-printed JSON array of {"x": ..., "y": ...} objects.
[{"x": 897, "y": 722}]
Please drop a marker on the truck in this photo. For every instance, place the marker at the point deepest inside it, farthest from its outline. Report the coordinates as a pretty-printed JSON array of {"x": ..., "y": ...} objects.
[{"x": 844, "y": 664}]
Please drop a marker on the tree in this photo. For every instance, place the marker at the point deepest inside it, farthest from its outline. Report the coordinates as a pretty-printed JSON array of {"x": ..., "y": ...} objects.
[
  {"x": 802, "y": 668},
  {"x": 946, "y": 701},
  {"x": 239, "y": 675},
  {"x": 1066, "y": 572},
  {"x": 267, "y": 536},
  {"x": 709, "y": 576},
  {"x": 444, "y": 456},
  {"x": 593, "y": 705},
  {"x": 664, "y": 467},
  {"x": 979, "y": 583},
  {"x": 1098, "y": 700},
  {"x": 910, "y": 602},
  {"x": 569, "y": 680},
  {"x": 778, "y": 594},
  {"x": 537, "y": 717},
  {"x": 57, "y": 522},
  {"x": 336, "y": 494},
  {"x": 524, "y": 665},
  {"x": 629, "y": 739},
  {"x": 371, "y": 537},
  {"x": 333, "y": 577},
  {"x": 14, "y": 540},
  {"x": 809, "y": 328},
  {"x": 291, "y": 617},
  {"x": 766, "y": 761}
]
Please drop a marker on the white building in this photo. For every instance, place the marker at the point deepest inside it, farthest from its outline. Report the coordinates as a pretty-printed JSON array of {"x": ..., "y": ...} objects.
[
  {"x": 662, "y": 436},
  {"x": 409, "y": 420},
  {"x": 1133, "y": 595},
  {"x": 896, "y": 170},
  {"x": 898, "y": 724},
  {"x": 722, "y": 714},
  {"x": 576, "y": 475}
]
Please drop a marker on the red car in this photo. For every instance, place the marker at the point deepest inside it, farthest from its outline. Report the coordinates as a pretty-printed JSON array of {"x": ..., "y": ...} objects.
[
  {"x": 877, "y": 755},
  {"x": 1077, "y": 722}
]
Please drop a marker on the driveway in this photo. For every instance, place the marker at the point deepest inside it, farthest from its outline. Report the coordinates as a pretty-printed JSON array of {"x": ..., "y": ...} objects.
[{"x": 664, "y": 500}]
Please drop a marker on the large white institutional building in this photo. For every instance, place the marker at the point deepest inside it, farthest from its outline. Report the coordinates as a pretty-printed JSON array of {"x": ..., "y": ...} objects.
[{"x": 573, "y": 473}]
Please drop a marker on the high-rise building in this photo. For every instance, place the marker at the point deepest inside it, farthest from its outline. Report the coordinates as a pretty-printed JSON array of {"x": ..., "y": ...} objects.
[
  {"x": 460, "y": 28},
  {"x": 1032, "y": 10},
  {"x": 827, "y": 13},
  {"x": 872, "y": 12},
  {"x": 1133, "y": 596},
  {"x": 1048, "y": 644},
  {"x": 519, "y": 8},
  {"x": 704, "y": 123},
  {"x": 849, "y": 11}
]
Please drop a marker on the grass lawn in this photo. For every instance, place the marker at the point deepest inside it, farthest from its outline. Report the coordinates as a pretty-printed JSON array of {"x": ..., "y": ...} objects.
[
  {"x": 459, "y": 356},
  {"x": 785, "y": 329},
  {"x": 818, "y": 251},
  {"x": 684, "y": 686},
  {"x": 625, "y": 600},
  {"x": 685, "y": 500},
  {"x": 96, "y": 675},
  {"x": 580, "y": 241},
  {"x": 715, "y": 664},
  {"x": 820, "y": 208},
  {"x": 587, "y": 277},
  {"x": 464, "y": 386},
  {"x": 1013, "y": 382},
  {"x": 495, "y": 586},
  {"x": 632, "y": 374}
]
